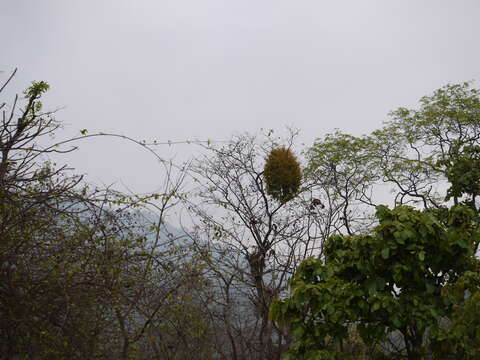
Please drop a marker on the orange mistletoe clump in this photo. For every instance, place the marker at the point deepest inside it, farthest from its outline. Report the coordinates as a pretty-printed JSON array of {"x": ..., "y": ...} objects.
[{"x": 282, "y": 174}]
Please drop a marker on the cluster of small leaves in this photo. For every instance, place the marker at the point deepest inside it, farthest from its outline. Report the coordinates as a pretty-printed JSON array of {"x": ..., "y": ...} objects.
[
  {"x": 282, "y": 174},
  {"x": 36, "y": 89}
]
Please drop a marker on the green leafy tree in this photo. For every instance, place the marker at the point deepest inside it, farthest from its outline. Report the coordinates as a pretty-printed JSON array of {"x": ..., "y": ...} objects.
[
  {"x": 418, "y": 148},
  {"x": 342, "y": 171},
  {"x": 392, "y": 284},
  {"x": 416, "y": 153},
  {"x": 383, "y": 284}
]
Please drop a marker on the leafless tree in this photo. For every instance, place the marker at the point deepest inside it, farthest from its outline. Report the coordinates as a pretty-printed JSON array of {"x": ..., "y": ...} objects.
[{"x": 253, "y": 242}]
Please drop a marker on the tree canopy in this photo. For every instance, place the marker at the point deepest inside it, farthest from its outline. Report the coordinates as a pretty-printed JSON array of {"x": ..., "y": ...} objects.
[{"x": 393, "y": 283}]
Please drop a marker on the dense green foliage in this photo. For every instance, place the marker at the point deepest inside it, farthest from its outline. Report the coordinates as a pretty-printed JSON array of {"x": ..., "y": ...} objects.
[
  {"x": 282, "y": 174},
  {"x": 460, "y": 337},
  {"x": 379, "y": 284},
  {"x": 463, "y": 173}
]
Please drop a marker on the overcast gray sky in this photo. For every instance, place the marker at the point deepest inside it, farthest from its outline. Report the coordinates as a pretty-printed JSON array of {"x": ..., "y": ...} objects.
[{"x": 184, "y": 69}]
